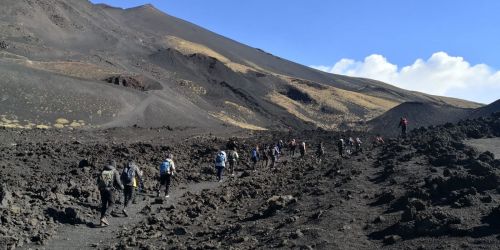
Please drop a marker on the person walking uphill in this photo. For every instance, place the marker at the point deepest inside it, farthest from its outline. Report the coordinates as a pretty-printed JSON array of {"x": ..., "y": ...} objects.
[
  {"x": 403, "y": 124},
  {"x": 232, "y": 160},
  {"x": 220, "y": 164},
  {"x": 340, "y": 146},
  {"x": 129, "y": 175},
  {"x": 320, "y": 151},
  {"x": 358, "y": 143},
  {"x": 266, "y": 154},
  {"x": 255, "y": 156},
  {"x": 293, "y": 147},
  {"x": 108, "y": 180},
  {"x": 274, "y": 156},
  {"x": 167, "y": 170},
  {"x": 302, "y": 149}
]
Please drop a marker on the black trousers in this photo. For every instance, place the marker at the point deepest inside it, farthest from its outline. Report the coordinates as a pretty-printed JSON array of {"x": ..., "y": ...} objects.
[
  {"x": 166, "y": 180},
  {"x": 107, "y": 201},
  {"x": 128, "y": 194}
]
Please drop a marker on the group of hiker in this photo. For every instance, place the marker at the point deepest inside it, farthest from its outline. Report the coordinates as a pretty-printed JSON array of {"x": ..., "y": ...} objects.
[
  {"x": 129, "y": 181},
  {"x": 131, "y": 178},
  {"x": 349, "y": 146}
]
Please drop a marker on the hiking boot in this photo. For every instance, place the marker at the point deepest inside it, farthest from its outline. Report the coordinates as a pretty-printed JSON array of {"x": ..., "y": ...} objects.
[
  {"x": 166, "y": 196},
  {"x": 125, "y": 212},
  {"x": 104, "y": 222}
]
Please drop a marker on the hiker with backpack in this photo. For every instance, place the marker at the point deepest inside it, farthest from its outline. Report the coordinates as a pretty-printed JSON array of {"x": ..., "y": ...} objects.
[
  {"x": 274, "y": 156},
  {"x": 107, "y": 182},
  {"x": 378, "y": 140},
  {"x": 138, "y": 185},
  {"x": 358, "y": 143},
  {"x": 281, "y": 146},
  {"x": 340, "y": 146},
  {"x": 128, "y": 177},
  {"x": 320, "y": 151},
  {"x": 293, "y": 147},
  {"x": 403, "y": 124},
  {"x": 232, "y": 160},
  {"x": 266, "y": 154},
  {"x": 220, "y": 164},
  {"x": 167, "y": 170},
  {"x": 302, "y": 149},
  {"x": 255, "y": 156},
  {"x": 232, "y": 144},
  {"x": 350, "y": 146}
]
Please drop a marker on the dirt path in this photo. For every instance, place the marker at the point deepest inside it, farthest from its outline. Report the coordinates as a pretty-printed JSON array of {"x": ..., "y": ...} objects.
[
  {"x": 353, "y": 216},
  {"x": 488, "y": 144},
  {"x": 89, "y": 237}
]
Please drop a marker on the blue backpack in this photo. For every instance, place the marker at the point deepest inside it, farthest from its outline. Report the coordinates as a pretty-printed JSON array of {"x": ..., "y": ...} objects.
[
  {"x": 164, "y": 167},
  {"x": 220, "y": 158},
  {"x": 128, "y": 175},
  {"x": 254, "y": 154}
]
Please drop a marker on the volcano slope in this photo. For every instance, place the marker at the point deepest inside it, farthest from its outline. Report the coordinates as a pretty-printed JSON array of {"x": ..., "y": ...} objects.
[
  {"x": 419, "y": 114},
  {"x": 71, "y": 63},
  {"x": 430, "y": 191}
]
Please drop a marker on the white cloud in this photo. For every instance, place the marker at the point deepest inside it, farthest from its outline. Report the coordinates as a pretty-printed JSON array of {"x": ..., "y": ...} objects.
[{"x": 441, "y": 74}]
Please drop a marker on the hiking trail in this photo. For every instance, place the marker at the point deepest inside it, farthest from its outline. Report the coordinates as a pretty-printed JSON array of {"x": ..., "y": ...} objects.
[{"x": 85, "y": 236}]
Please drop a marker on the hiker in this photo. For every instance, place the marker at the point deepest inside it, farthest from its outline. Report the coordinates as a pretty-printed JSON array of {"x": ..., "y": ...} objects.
[
  {"x": 138, "y": 188},
  {"x": 220, "y": 164},
  {"x": 281, "y": 145},
  {"x": 255, "y": 156},
  {"x": 108, "y": 180},
  {"x": 167, "y": 170},
  {"x": 302, "y": 149},
  {"x": 232, "y": 144},
  {"x": 403, "y": 124},
  {"x": 350, "y": 145},
  {"x": 274, "y": 156},
  {"x": 293, "y": 146},
  {"x": 265, "y": 156},
  {"x": 379, "y": 140},
  {"x": 232, "y": 160},
  {"x": 129, "y": 174},
  {"x": 358, "y": 143},
  {"x": 320, "y": 151},
  {"x": 341, "y": 145}
]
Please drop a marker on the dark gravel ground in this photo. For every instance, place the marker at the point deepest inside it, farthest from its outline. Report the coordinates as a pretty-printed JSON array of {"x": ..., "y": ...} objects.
[{"x": 429, "y": 191}]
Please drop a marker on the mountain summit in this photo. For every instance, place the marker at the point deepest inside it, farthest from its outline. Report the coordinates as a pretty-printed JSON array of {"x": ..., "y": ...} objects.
[{"x": 75, "y": 64}]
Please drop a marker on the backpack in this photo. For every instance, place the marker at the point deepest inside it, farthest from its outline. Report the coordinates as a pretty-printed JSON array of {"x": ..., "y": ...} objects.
[
  {"x": 254, "y": 154},
  {"x": 220, "y": 158},
  {"x": 106, "y": 179},
  {"x": 128, "y": 175},
  {"x": 276, "y": 151},
  {"x": 233, "y": 156},
  {"x": 165, "y": 167}
]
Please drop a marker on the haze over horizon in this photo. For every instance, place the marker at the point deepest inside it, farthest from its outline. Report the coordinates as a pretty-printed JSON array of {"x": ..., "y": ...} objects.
[{"x": 438, "y": 48}]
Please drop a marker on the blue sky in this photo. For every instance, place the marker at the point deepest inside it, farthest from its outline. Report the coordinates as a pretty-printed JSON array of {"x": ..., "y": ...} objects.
[{"x": 378, "y": 39}]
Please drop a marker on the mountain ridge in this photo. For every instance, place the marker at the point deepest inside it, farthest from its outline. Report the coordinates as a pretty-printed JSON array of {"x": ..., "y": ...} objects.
[{"x": 185, "y": 69}]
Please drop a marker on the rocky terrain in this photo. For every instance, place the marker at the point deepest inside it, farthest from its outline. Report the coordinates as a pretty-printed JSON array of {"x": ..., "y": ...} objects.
[
  {"x": 430, "y": 191},
  {"x": 83, "y": 83}
]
